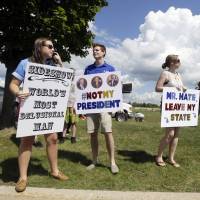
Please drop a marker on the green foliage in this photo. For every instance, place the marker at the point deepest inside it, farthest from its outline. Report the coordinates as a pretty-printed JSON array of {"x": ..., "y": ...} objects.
[{"x": 65, "y": 21}]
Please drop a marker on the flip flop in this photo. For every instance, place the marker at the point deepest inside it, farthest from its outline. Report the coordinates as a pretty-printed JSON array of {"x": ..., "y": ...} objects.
[
  {"x": 174, "y": 164},
  {"x": 160, "y": 163}
]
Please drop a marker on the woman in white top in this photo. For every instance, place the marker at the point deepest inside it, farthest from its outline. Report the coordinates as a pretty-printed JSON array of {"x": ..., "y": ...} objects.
[{"x": 169, "y": 78}]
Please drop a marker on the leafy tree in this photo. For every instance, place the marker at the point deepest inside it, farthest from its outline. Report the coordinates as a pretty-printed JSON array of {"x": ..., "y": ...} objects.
[{"x": 22, "y": 21}]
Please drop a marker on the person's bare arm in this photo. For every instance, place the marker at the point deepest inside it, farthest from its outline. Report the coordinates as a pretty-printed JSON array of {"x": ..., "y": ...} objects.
[
  {"x": 15, "y": 89},
  {"x": 160, "y": 83}
]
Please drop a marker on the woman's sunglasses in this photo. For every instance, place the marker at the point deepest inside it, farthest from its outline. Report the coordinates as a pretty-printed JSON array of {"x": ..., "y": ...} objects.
[
  {"x": 177, "y": 61},
  {"x": 50, "y": 46}
]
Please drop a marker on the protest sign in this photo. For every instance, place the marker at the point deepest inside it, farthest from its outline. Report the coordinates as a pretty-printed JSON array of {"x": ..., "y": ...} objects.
[
  {"x": 97, "y": 93},
  {"x": 44, "y": 110},
  {"x": 179, "y": 108}
]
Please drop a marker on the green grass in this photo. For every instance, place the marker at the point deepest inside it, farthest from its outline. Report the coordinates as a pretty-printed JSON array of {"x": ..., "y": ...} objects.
[{"x": 136, "y": 146}]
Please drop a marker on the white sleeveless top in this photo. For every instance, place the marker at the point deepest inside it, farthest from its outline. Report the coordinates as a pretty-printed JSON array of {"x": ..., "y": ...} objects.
[{"x": 174, "y": 80}]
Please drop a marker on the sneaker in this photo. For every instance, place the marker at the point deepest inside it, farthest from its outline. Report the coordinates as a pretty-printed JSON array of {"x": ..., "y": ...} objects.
[
  {"x": 91, "y": 166},
  {"x": 60, "y": 176},
  {"x": 114, "y": 169},
  {"x": 21, "y": 185},
  {"x": 73, "y": 140}
]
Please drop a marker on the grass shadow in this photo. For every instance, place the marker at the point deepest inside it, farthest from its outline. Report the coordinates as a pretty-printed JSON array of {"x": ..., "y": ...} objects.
[
  {"x": 76, "y": 157},
  {"x": 10, "y": 170},
  {"x": 137, "y": 156}
]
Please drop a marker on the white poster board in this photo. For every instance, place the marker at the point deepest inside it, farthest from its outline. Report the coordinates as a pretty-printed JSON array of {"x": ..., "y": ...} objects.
[
  {"x": 44, "y": 110},
  {"x": 97, "y": 93},
  {"x": 179, "y": 108}
]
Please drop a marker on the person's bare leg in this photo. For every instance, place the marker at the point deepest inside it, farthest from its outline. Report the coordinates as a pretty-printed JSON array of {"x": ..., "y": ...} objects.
[
  {"x": 94, "y": 146},
  {"x": 172, "y": 146},
  {"x": 111, "y": 152},
  {"x": 52, "y": 152},
  {"x": 95, "y": 150},
  {"x": 110, "y": 147},
  {"x": 163, "y": 143},
  {"x": 73, "y": 128},
  {"x": 25, "y": 150}
]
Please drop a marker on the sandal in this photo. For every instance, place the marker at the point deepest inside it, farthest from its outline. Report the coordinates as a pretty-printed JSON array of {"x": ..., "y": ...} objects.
[
  {"x": 160, "y": 163},
  {"x": 174, "y": 164}
]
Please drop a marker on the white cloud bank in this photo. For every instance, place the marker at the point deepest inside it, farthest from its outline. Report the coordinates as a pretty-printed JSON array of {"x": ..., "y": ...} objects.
[{"x": 176, "y": 31}]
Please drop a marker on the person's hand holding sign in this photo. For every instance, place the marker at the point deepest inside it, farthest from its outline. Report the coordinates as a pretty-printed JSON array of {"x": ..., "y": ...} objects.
[{"x": 22, "y": 95}]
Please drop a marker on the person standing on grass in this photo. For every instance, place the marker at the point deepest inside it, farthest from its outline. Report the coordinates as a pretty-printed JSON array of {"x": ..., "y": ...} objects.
[
  {"x": 94, "y": 121},
  {"x": 169, "y": 78},
  {"x": 71, "y": 117},
  {"x": 43, "y": 52}
]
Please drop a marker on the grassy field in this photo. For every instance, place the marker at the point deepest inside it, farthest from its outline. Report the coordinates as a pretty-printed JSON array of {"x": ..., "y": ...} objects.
[{"x": 136, "y": 146}]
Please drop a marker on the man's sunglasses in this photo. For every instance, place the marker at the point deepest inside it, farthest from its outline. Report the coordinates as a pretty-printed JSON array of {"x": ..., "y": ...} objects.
[{"x": 50, "y": 46}]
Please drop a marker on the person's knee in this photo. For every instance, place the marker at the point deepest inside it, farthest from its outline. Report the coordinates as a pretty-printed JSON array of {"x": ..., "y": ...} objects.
[
  {"x": 170, "y": 136},
  {"x": 51, "y": 139}
]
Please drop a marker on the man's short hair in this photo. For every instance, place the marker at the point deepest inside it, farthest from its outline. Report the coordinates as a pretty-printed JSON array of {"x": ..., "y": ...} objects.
[{"x": 103, "y": 48}]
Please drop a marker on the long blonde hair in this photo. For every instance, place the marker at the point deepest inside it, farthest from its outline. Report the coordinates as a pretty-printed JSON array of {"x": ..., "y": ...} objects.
[{"x": 36, "y": 56}]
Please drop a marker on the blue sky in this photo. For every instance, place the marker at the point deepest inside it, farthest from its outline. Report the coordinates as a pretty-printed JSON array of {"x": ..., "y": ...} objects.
[{"x": 122, "y": 18}]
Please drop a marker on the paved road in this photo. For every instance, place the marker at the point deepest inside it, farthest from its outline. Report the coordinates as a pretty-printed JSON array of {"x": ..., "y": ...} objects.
[{"x": 33, "y": 193}]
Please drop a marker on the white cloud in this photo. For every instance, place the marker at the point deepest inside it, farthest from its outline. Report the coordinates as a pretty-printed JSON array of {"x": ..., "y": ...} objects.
[{"x": 175, "y": 31}]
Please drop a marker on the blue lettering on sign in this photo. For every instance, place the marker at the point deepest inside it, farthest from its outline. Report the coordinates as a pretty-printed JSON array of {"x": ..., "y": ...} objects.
[
  {"x": 187, "y": 96},
  {"x": 98, "y": 105},
  {"x": 171, "y": 95}
]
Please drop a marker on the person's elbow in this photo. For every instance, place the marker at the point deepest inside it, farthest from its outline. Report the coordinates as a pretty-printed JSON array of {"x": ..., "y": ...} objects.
[{"x": 158, "y": 89}]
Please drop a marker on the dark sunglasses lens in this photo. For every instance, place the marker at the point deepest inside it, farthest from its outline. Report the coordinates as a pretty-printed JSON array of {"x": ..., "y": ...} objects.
[{"x": 50, "y": 46}]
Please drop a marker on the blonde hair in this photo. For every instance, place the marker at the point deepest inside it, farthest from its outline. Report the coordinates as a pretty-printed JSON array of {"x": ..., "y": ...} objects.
[
  {"x": 36, "y": 56},
  {"x": 169, "y": 59}
]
